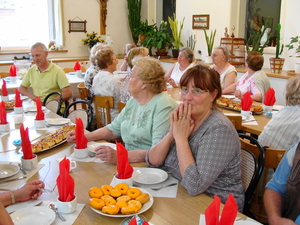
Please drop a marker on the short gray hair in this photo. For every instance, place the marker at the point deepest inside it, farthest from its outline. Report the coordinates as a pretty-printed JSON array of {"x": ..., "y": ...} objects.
[
  {"x": 225, "y": 52},
  {"x": 188, "y": 52},
  {"x": 39, "y": 44},
  {"x": 292, "y": 94}
]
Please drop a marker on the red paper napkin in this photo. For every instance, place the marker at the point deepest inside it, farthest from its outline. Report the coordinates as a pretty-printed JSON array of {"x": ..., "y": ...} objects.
[
  {"x": 133, "y": 221},
  {"x": 124, "y": 169},
  {"x": 13, "y": 70},
  {"x": 40, "y": 115},
  {"x": 212, "y": 212},
  {"x": 229, "y": 211},
  {"x": 4, "y": 88},
  {"x": 270, "y": 97},
  {"x": 81, "y": 140},
  {"x": 26, "y": 145},
  {"x": 3, "y": 114},
  {"x": 77, "y": 66},
  {"x": 246, "y": 101},
  {"x": 19, "y": 102},
  {"x": 65, "y": 183}
]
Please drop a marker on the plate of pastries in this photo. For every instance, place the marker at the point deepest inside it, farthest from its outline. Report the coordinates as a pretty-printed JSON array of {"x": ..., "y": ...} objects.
[
  {"x": 236, "y": 106},
  {"x": 10, "y": 104}
]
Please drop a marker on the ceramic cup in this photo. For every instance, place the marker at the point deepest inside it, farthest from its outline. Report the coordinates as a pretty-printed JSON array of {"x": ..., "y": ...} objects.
[
  {"x": 116, "y": 181},
  {"x": 67, "y": 207},
  {"x": 267, "y": 108},
  {"x": 80, "y": 153},
  {"x": 29, "y": 164},
  {"x": 73, "y": 164},
  {"x": 4, "y": 98},
  {"x": 4, "y": 127},
  {"x": 14, "y": 79},
  {"x": 39, "y": 123},
  {"x": 18, "y": 110},
  {"x": 247, "y": 114},
  {"x": 18, "y": 118}
]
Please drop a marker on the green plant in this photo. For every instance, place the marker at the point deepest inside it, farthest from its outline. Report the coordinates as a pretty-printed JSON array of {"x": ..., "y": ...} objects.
[
  {"x": 144, "y": 28},
  {"x": 92, "y": 39},
  {"x": 279, "y": 48},
  {"x": 134, "y": 17},
  {"x": 210, "y": 41},
  {"x": 176, "y": 31},
  {"x": 295, "y": 45},
  {"x": 191, "y": 42}
]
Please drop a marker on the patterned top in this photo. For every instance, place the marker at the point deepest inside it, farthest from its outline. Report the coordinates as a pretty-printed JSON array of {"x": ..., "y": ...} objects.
[
  {"x": 124, "y": 94},
  {"x": 91, "y": 72},
  {"x": 216, "y": 150},
  {"x": 229, "y": 69},
  {"x": 245, "y": 85}
]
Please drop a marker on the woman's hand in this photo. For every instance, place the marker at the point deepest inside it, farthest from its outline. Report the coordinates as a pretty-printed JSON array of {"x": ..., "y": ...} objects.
[
  {"x": 31, "y": 190},
  {"x": 106, "y": 153},
  {"x": 71, "y": 137},
  {"x": 173, "y": 83},
  {"x": 238, "y": 94}
]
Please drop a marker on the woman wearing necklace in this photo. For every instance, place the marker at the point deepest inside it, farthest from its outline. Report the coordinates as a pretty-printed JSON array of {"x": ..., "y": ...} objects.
[
  {"x": 145, "y": 118},
  {"x": 202, "y": 148}
]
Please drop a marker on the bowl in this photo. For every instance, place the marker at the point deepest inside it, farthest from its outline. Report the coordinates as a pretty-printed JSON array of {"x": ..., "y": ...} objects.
[{"x": 17, "y": 143}]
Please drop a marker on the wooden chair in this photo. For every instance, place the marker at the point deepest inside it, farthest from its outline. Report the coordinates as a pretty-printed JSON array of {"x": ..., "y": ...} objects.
[
  {"x": 236, "y": 121},
  {"x": 53, "y": 105},
  {"x": 102, "y": 106},
  {"x": 84, "y": 93},
  {"x": 68, "y": 70},
  {"x": 121, "y": 105},
  {"x": 4, "y": 74}
]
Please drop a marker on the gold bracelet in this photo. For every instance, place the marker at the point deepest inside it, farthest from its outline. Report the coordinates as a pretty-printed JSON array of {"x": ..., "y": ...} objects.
[{"x": 12, "y": 195}]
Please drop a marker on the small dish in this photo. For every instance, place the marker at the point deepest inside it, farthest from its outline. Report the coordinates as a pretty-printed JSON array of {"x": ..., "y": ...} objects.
[
  {"x": 8, "y": 170},
  {"x": 149, "y": 175},
  {"x": 33, "y": 109},
  {"x": 92, "y": 147},
  {"x": 58, "y": 121}
]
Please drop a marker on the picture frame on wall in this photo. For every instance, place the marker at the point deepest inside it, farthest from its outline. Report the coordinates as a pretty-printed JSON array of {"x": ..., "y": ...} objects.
[
  {"x": 77, "y": 26},
  {"x": 201, "y": 21}
]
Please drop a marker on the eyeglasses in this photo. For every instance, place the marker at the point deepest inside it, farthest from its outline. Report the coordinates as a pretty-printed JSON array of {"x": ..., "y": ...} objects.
[
  {"x": 132, "y": 76},
  {"x": 195, "y": 91}
]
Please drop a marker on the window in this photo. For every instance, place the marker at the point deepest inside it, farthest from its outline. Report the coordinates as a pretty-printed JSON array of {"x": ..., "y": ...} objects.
[{"x": 22, "y": 23}]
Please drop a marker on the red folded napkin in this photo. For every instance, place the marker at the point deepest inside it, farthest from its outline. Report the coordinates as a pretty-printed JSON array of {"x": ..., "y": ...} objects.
[
  {"x": 133, "y": 221},
  {"x": 65, "y": 183},
  {"x": 13, "y": 70},
  {"x": 3, "y": 114},
  {"x": 77, "y": 66},
  {"x": 19, "y": 102},
  {"x": 212, "y": 212},
  {"x": 26, "y": 145},
  {"x": 246, "y": 101},
  {"x": 229, "y": 211},
  {"x": 124, "y": 169},
  {"x": 40, "y": 115},
  {"x": 81, "y": 140},
  {"x": 4, "y": 88},
  {"x": 270, "y": 98}
]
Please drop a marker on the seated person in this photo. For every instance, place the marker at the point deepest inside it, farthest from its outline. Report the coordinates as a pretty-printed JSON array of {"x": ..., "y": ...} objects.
[
  {"x": 145, "y": 118},
  {"x": 125, "y": 66},
  {"x": 202, "y": 147},
  {"x": 227, "y": 71},
  {"x": 283, "y": 129},
  {"x": 105, "y": 83},
  {"x": 29, "y": 191},
  {"x": 254, "y": 80},
  {"x": 185, "y": 61},
  {"x": 45, "y": 77},
  {"x": 282, "y": 194}
]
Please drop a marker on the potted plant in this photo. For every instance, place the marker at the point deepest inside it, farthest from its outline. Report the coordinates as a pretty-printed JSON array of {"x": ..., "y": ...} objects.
[
  {"x": 92, "y": 39},
  {"x": 144, "y": 30},
  {"x": 176, "y": 32},
  {"x": 276, "y": 64},
  {"x": 134, "y": 17},
  {"x": 295, "y": 45},
  {"x": 210, "y": 44}
]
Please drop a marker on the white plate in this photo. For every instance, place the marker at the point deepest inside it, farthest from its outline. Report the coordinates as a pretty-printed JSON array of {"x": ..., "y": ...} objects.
[
  {"x": 149, "y": 175},
  {"x": 277, "y": 107},
  {"x": 248, "y": 221},
  {"x": 228, "y": 96},
  {"x": 243, "y": 117},
  {"x": 12, "y": 97},
  {"x": 33, "y": 216},
  {"x": 145, "y": 207},
  {"x": 8, "y": 170},
  {"x": 58, "y": 121},
  {"x": 33, "y": 109},
  {"x": 93, "y": 146}
]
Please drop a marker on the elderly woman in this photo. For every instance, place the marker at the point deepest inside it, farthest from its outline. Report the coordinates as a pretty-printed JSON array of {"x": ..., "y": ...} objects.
[
  {"x": 227, "y": 71},
  {"x": 145, "y": 118},
  {"x": 254, "y": 80},
  {"x": 185, "y": 61},
  {"x": 201, "y": 148},
  {"x": 125, "y": 66},
  {"x": 105, "y": 83},
  {"x": 283, "y": 129}
]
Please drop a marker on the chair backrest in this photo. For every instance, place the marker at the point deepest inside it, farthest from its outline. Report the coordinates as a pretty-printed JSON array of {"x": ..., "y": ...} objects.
[
  {"x": 102, "y": 105},
  {"x": 84, "y": 93},
  {"x": 85, "y": 114},
  {"x": 121, "y": 105},
  {"x": 52, "y": 104},
  {"x": 236, "y": 121},
  {"x": 251, "y": 145},
  {"x": 4, "y": 74}
]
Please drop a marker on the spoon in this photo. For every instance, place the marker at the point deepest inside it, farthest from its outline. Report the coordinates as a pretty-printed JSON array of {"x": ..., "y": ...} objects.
[{"x": 53, "y": 207}]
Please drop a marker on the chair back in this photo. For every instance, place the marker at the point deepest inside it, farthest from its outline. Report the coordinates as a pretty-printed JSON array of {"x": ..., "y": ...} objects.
[
  {"x": 121, "y": 105},
  {"x": 84, "y": 93},
  {"x": 236, "y": 121},
  {"x": 4, "y": 74},
  {"x": 86, "y": 115},
  {"x": 52, "y": 104},
  {"x": 102, "y": 105}
]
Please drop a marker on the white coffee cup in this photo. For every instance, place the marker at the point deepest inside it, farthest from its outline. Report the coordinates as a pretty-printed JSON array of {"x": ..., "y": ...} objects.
[
  {"x": 116, "y": 181},
  {"x": 267, "y": 108},
  {"x": 67, "y": 207},
  {"x": 18, "y": 118},
  {"x": 81, "y": 153},
  {"x": 73, "y": 164},
  {"x": 39, "y": 123},
  {"x": 4, "y": 127},
  {"x": 18, "y": 110},
  {"x": 247, "y": 114},
  {"x": 29, "y": 164}
]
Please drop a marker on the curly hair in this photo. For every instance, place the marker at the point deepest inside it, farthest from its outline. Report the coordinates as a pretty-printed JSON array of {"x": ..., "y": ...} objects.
[
  {"x": 151, "y": 73},
  {"x": 104, "y": 57},
  {"x": 292, "y": 95},
  {"x": 188, "y": 53},
  {"x": 255, "y": 60},
  {"x": 93, "y": 51},
  {"x": 142, "y": 51}
]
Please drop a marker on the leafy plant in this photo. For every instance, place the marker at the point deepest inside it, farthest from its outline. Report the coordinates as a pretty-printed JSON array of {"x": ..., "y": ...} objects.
[
  {"x": 92, "y": 39},
  {"x": 279, "y": 48},
  {"x": 191, "y": 42},
  {"x": 210, "y": 41},
  {"x": 144, "y": 28},
  {"x": 134, "y": 17},
  {"x": 176, "y": 31},
  {"x": 295, "y": 45}
]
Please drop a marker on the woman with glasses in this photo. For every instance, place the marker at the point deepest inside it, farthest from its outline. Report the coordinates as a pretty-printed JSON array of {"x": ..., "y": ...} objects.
[
  {"x": 201, "y": 148},
  {"x": 145, "y": 118}
]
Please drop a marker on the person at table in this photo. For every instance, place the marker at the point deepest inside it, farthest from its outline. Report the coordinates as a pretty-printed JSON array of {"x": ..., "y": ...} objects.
[
  {"x": 145, "y": 118},
  {"x": 202, "y": 147},
  {"x": 283, "y": 129},
  {"x": 185, "y": 61},
  {"x": 254, "y": 80},
  {"x": 227, "y": 71},
  {"x": 125, "y": 66},
  {"x": 31, "y": 190},
  {"x": 44, "y": 77},
  {"x": 282, "y": 194},
  {"x": 105, "y": 83}
]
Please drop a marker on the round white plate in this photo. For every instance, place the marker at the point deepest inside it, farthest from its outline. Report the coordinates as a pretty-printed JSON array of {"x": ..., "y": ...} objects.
[
  {"x": 145, "y": 207},
  {"x": 58, "y": 121},
  {"x": 245, "y": 222},
  {"x": 33, "y": 109},
  {"x": 33, "y": 216},
  {"x": 228, "y": 96},
  {"x": 243, "y": 117},
  {"x": 8, "y": 170},
  {"x": 92, "y": 147},
  {"x": 149, "y": 175}
]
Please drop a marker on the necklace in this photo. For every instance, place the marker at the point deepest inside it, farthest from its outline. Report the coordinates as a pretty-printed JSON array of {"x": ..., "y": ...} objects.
[{"x": 136, "y": 118}]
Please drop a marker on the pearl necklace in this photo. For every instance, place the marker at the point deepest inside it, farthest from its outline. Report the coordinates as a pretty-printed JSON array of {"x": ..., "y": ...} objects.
[{"x": 136, "y": 118}]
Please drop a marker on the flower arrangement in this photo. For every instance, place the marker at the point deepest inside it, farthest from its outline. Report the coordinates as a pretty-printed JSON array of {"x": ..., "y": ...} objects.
[{"x": 92, "y": 39}]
